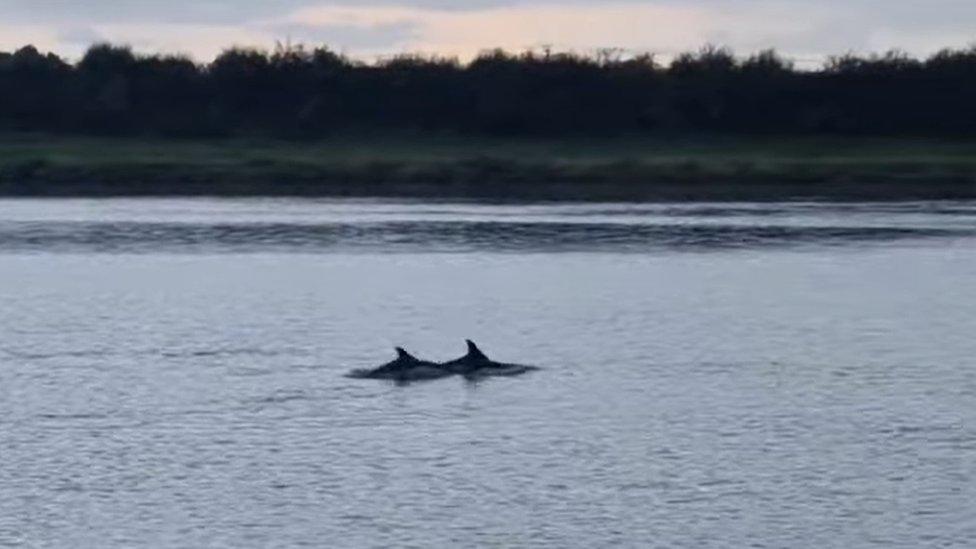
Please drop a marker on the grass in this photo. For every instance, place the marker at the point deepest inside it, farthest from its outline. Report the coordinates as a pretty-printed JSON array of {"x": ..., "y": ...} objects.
[{"x": 675, "y": 167}]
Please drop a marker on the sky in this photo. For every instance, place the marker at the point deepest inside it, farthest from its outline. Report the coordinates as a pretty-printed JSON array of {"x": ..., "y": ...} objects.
[{"x": 805, "y": 30}]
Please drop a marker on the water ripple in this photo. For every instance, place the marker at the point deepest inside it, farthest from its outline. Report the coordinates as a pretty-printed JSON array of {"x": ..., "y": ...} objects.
[{"x": 139, "y": 228}]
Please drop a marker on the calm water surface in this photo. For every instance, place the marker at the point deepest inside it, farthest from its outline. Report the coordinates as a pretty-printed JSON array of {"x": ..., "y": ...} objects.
[{"x": 744, "y": 375}]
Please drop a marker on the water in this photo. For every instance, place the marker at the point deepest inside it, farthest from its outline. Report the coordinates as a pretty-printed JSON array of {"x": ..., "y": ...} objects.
[{"x": 765, "y": 375}]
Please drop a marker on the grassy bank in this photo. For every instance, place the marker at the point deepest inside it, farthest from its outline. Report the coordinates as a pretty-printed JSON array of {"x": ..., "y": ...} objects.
[{"x": 635, "y": 168}]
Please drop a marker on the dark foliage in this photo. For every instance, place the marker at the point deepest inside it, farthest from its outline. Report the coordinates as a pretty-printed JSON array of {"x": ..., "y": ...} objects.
[{"x": 296, "y": 92}]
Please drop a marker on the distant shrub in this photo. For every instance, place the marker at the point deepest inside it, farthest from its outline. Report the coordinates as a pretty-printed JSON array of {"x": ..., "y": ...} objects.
[{"x": 298, "y": 91}]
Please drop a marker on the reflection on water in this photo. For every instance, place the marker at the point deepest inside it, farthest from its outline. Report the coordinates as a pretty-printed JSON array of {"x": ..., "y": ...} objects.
[
  {"x": 254, "y": 226},
  {"x": 808, "y": 382}
]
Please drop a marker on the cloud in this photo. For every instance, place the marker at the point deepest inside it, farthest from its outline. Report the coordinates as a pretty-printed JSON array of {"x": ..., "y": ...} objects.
[
  {"x": 79, "y": 36},
  {"x": 369, "y": 38},
  {"x": 800, "y": 28},
  {"x": 644, "y": 27},
  {"x": 202, "y": 42},
  {"x": 13, "y": 37},
  {"x": 211, "y": 12},
  {"x": 219, "y": 12}
]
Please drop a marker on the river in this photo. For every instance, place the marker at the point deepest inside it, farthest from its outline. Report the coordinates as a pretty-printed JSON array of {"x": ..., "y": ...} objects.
[{"x": 713, "y": 375}]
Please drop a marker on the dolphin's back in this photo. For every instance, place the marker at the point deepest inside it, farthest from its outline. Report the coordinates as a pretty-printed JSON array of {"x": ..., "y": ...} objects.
[
  {"x": 404, "y": 368},
  {"x": 476, "y": 364}
]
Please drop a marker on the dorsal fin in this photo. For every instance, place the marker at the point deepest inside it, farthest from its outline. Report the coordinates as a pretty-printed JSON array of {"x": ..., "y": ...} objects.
[
  {"x": 474, "y": 351},
  {"x": 403, "y": 355}
]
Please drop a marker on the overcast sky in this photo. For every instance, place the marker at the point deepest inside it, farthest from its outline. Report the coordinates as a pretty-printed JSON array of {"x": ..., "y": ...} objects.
[{"x": 803, "y": 29}]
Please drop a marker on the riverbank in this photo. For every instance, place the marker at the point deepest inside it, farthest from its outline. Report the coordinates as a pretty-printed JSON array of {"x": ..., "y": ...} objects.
[{"x": 424, "y": 166}]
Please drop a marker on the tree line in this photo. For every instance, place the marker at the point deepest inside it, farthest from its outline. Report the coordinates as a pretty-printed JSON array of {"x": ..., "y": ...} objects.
[{"x": 299, "y": 92}]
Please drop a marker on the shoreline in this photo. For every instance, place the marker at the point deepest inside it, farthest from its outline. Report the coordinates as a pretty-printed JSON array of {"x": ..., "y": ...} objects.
[{"x": 724, "y": 168}]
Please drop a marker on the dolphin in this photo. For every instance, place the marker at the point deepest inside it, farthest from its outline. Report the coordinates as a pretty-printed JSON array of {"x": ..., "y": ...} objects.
[
  {"x": 404, "y": 368},
  {"x": 476, "y": 365}
]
